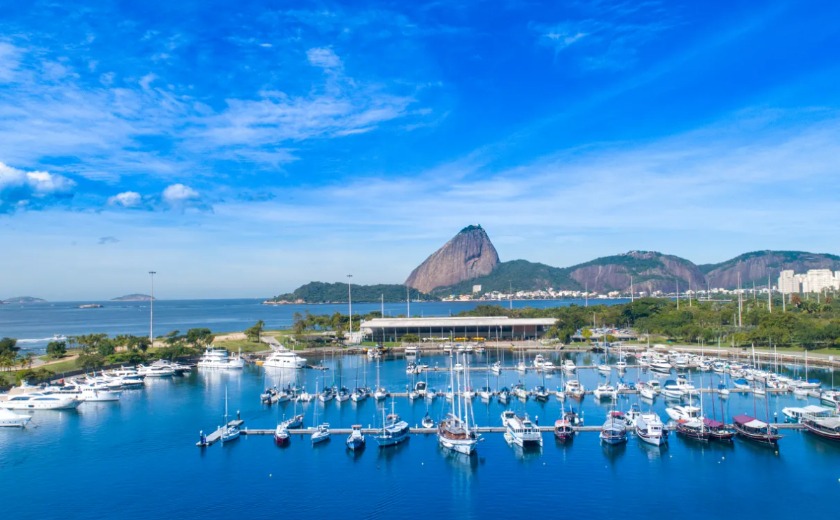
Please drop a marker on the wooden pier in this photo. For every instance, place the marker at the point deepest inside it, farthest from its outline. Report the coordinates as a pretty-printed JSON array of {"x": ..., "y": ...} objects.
[{"x": 216, "y": 435}]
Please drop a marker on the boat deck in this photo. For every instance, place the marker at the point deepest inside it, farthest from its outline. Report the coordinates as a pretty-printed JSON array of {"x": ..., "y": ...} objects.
[{"x": 216, "y": 435}]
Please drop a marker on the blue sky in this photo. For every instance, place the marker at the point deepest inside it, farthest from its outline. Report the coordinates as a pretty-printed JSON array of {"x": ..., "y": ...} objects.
[{"x": 245, "y": 148}]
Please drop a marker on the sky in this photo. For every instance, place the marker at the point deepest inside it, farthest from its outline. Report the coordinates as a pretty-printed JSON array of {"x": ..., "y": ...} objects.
[{"x": 242, "y": 149}]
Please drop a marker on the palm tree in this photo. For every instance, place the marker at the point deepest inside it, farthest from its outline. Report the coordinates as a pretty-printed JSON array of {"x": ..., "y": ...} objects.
[{"x": 259, "y": 328}]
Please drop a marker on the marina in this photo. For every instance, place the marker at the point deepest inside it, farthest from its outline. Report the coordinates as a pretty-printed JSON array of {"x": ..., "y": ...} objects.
[{"x": 151, "y": 432}]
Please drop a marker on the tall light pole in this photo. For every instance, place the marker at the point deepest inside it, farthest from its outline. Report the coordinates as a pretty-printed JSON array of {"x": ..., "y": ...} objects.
[
  {"x": 350, "y": 304},
  {"x": 152, "y": 311}
]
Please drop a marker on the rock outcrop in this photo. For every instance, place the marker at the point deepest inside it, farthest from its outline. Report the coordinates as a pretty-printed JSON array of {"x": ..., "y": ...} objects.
[{"x": 468, "y": 255}]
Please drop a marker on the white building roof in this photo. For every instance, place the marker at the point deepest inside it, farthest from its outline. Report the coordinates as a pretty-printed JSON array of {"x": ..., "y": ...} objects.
[{"x": 448, "y": 322}]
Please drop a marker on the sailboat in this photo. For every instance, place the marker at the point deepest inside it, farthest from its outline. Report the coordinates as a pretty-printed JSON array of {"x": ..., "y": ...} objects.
[
  {"x": 231, "y": 431},
  {"x": 379, "y": 393},
  {"x": 454, "y": 431},
  {"x": 394, "y": 429},
  {"x": 322, "y": 431}
]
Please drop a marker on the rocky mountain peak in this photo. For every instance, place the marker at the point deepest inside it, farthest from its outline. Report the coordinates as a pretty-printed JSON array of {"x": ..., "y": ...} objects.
[{"x": 468, "y": 255}]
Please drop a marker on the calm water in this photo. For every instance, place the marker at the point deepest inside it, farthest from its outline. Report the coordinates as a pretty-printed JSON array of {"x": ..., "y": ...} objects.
[
  {"x": 34, "y": 325},
  {"x": 137, "y": 459}
]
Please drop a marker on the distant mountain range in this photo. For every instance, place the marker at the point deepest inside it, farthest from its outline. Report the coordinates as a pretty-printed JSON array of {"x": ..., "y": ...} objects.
[{"x": 470, "y": 259}]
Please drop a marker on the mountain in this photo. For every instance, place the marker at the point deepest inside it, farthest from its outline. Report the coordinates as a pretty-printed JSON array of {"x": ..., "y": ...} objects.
[
  {"x": 468, "y": 255},
  {"x": 650, "y": 271},
  {"x": 755, "y": 267},
  {"x": 24, "y": 299},
  {"x": 320, "y": 292},
  {"x": 132, "y": 298}
]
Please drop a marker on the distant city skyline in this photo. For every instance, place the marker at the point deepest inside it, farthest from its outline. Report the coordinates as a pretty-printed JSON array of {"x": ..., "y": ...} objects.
[{"x": 242, "y": 150}]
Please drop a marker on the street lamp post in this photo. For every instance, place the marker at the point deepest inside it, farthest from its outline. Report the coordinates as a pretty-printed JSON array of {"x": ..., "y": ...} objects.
[
  {"x": 152, "y": 311},
  {"x": 350, "y": 305}
]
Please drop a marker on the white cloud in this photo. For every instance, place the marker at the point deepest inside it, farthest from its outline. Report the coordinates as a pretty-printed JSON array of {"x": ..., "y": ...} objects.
[
  {"x": 180, "y": 196},
  {"x": 323, "y": 57},
  {"x": 126, "y": 199},
  {"x": 20, "y": 188}
]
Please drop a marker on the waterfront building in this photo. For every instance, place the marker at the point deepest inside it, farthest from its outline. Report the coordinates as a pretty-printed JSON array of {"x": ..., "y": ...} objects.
[{"x": 459, "y": 328}]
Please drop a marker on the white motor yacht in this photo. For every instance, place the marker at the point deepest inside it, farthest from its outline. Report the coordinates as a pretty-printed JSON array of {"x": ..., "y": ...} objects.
[
  {"x": 520, "y": 430},
  {"x": 649, "y": 429},
  {"x": 574, "y": 389},
  {"x": 683, "y": 413},
  {"x": 10, "y": 419},
  {"x": 283, "y": 358},
  {"x": 40, "y": 401},
  {"x": 220, "y": 358}
]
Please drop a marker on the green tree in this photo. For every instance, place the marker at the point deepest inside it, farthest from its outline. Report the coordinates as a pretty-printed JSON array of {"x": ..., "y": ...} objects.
[
  {"x": 56, "y": 349},
  {"x": 8, "y": 346}
]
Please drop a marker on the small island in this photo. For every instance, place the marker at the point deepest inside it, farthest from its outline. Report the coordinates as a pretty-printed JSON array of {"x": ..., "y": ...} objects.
[
  {"x": 24, "y": 299},
  {"x": 133, "y": 298}
]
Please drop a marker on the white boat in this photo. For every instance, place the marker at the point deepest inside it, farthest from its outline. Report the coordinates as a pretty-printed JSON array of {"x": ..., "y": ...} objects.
[
  {"x": 40, "y": 401},
  {"x": 574, "y": 389},
  {"x": 89, "y": 393},
  {"x": 548, "y": 366},
  {"x": 321, "y": 433},
  {"x": 231, "y": 431},
  {"x": 520, "y": 430},
  {"x": 605, "y": 391},
  {"x": 10, "y": 419},
  {"x": 604, "y": 369},
  {"x": 646, "y": 391},
  {"x": 660, "y": 366},
  {"x": 496, "y": 367},
  {"x": 284, "y": 358},
  {"x": 683, "y": 413},
  {"x": 427, "y": 421},
  {"x": 219, "y": 358},
  {"x": 649, "y": 429},
  {"x": 793, "y": 414},
  {"x": 356, "y": 440},
  {"x": 539, "y": 360},
  {"x": 155, "y": 371},
  {"x": 455, "y": 432},
  {"x": 394, "y": 429},
  {"x": 569, "y": 365}
]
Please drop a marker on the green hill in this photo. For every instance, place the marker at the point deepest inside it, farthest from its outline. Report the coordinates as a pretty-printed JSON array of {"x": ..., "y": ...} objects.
[{"x": 321, "y": 292}]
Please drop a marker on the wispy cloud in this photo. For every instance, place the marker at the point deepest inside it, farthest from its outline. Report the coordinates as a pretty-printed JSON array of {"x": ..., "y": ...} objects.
[
  {"x": 606, "y": 35},
  {"x": 108, "y": 240}
]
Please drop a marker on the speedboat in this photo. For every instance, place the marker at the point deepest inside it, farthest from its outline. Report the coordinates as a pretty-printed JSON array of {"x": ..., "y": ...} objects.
[
  {"x": 284, "y": 358},
  {"x": 520, "y": 430},
  {"x": 155, "y": 370}
]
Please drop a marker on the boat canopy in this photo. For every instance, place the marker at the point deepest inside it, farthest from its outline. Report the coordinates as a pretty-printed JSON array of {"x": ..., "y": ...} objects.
[
  {"x": 711, "y": 423},
  {"x": 749, "y": 422}
]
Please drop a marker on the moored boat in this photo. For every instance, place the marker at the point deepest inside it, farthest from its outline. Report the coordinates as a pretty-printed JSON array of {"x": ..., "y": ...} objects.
[
  {"x": 356, "y": 440},
  {"x": 755, "y": 430},
  {"x": 824, "y": 425},
  {"x": 520, "y": 430},
  {"x": 10, "y": 419},
  {"x": 649, "y": 429},
  {"x": 563, "y": 430},
  {"x": 718, "y": 431},
  {"x": 614, "y": 430}
]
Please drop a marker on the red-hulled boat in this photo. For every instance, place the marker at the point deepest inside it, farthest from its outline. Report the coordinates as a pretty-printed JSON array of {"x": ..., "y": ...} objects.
[
  {"x": 563, "y": 430},
  {"x": 719, "y": 431},
  {"x": 758, "y": 431}
]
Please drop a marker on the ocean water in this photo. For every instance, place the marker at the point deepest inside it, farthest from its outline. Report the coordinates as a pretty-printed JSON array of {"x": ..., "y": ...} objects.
[
  {"x": 136, "y": 459},
  {"x": 35, "y": 324}
]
